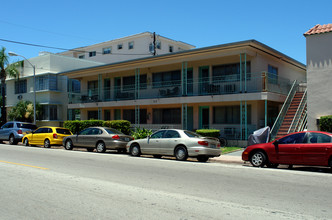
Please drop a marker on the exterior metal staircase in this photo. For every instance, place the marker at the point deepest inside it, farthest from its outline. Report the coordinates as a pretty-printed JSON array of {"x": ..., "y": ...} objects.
[{"x": 293, "y": 114}]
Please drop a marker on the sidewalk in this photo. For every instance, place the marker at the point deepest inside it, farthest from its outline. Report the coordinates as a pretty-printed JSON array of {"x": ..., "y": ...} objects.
[{"x": 234, "y": 157}]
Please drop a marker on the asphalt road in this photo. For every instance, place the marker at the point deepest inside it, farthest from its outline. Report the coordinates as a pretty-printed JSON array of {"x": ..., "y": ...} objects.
[{"x": 38, "y": 183}]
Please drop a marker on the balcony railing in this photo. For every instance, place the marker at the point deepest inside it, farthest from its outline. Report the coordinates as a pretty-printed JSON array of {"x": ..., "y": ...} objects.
[{"x": 230, "y": 84}]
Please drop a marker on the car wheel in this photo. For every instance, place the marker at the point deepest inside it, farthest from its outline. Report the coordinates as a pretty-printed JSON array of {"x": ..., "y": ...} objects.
[
  {"x": 90, "y": 149},
  {"x": 135, "y": 150},
  {"x": 47, "y": 143},
  {"x": 202, "y": 158},
  {"x": 12, "y": 140},
  {"x": 223, "y": 142},
  {"x": 181, "y": 153},
  {"x": 258, "y": 159},
  {"x": 69, "y": 145},
  {"x": 101, "y": 148},
  {"x": 26, "y": 142}
]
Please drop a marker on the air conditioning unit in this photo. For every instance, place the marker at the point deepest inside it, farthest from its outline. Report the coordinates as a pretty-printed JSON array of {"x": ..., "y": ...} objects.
[{"x": 19, "y": 97}]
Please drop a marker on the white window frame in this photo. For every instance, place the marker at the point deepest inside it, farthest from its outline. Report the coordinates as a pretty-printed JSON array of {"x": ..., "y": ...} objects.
[{"x": 130, "y": 45}]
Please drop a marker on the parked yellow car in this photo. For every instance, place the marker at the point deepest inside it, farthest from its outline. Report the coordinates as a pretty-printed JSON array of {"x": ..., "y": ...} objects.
[{"x": 46, "y": 136}]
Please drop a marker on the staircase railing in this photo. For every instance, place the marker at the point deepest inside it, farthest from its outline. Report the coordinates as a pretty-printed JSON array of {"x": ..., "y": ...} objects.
[
  {"x": 283, "y": 110},
  {"x": 299, "y": 115}
]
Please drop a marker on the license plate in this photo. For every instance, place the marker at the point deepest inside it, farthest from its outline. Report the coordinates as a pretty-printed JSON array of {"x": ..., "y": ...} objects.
[
  {"x": 127, "y": 139},
  {"x": 213, "y": 146}
]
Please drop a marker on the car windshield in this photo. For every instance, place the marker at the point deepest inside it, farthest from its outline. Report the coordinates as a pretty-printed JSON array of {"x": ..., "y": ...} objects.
[
  {"x": 62, "y": 131},
  {"x": 27, "y": 126},
  {"x": 112, "y": 131},
  {"x": 192, "y": 134}
]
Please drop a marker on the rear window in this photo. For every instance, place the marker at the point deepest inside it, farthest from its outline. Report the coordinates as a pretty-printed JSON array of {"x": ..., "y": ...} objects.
[
  {"x": 192, "y": 134},
  {"x": 112, "y": 131},
  {"x": 27, "y": 126},
  {"x": 62, "y": 131}
]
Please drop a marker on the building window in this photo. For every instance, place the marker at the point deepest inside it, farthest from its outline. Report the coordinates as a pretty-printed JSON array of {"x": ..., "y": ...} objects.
[
  {"x": 129, "y": 115},
  {"x": 81, "y": 56},
  {"x": 129, "y": 82},
  {"x": 92, "y": 115},
  {"x": 92, "y": 53},
  {"x": 107, "y": 115},
  {"x": 158, "y": 45},
  {"x": 273, "y": 74},
  {"x": 107, "y": 50},
  {"x": 120, "y": 46},
  {"x": 167, "y": 116},
  {"x": 170, "y": 49},
  {"x": 151, "y": 48},
  {"x": 230, "y": 72},
  {"x": 229, "y": 114},
  {"x": 166, "y": 79},
  {"x": 21, "y": 86},
  {"x": 49, "y": 112},
  {"x": 92, "y": 87},
  {"x": 47, "y": 82},
  {"x": 131, "y": 45},
  {"x": 75, "y": 86}
]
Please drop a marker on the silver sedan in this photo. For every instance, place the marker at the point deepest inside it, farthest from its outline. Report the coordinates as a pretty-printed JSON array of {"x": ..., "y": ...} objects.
[
  {"x": 101, "y": 138},
  {"x": 174, "y": 142}
]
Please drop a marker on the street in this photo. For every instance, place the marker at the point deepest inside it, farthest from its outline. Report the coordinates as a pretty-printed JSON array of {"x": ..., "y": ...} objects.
[{"x": 39, "y": 183}]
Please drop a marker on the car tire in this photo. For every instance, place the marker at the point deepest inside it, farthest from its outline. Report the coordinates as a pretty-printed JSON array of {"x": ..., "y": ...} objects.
[
  {"x": 69, "y": 145},
  {"x": 258, "y": 159},
  {"x": 181, "y": 153},
  {"x": 202, "y": 158},
  {"x": 223, "y": 142},
  {"x": 12, "y": 140},
  {"x": 26, "y": 142},
  {"x": 47, "y": 143},
  {"x": 135, "y": 150},
  {"x": 100, "y": 148}
]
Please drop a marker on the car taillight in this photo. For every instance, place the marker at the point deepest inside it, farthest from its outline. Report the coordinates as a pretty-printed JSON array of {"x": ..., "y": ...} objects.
[
  {"x": 204, "y": 143},
  {"x": 218, "y": 145},
  {"x": 55, "y": 136},
  {"x": 116, "y": 137},
  {"x": 19, "y": 132}
]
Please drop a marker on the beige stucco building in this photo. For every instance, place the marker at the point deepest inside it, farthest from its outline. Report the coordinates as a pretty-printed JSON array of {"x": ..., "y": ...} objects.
[
  {"x": 136, "y": 46},
  {"x": 319, "y": 73},
  {"x": 51, "y": 88},
  {"x": 237, "y": 88}
]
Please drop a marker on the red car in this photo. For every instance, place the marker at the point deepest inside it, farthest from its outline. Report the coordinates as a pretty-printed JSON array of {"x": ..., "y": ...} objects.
[{"x": 300, "y": 148}]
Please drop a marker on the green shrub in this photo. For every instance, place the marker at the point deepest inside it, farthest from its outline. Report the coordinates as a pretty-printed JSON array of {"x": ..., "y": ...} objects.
[
  {"x": 209, "y": 132},
  {"x": 120, "y": 125},
  {"x": 325, "y": 123},
  {"x": 77, "y": 126},
  {"x": 141, "y": 133}
]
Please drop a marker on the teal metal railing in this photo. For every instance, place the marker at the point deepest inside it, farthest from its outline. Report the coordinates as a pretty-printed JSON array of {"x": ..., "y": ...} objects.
[{"x": 215, "y": 85}]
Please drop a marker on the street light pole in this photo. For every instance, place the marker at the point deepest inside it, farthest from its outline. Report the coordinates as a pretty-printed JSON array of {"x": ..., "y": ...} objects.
[{"x": 34, "y": 83}]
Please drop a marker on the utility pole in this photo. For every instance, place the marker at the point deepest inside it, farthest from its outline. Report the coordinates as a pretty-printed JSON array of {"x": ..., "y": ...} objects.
[{"x": 154, "y": 43}]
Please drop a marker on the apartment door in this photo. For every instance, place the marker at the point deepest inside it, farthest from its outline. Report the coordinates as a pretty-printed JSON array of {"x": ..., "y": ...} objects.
[
  {"x": 204, "y": 117},
  {"x": 203, "y": 79}
]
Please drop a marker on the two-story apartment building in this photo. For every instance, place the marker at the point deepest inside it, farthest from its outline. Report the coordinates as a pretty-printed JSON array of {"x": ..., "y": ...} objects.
[
  {"x": 319, "y": 73},
  {"x": 127, "y": 48},
  {"x": 51, "y": 88},
  {"x": 237, "y": 88}
]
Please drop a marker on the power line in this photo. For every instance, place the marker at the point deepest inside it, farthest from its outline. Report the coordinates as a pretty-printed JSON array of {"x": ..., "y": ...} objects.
[{"x": 64, "y": 49}]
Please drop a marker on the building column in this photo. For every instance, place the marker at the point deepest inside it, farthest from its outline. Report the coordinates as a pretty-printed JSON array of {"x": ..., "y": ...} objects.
[
  {"x": 184, "y": 116},
  {"x": 137, "y": 115},
  {"x": 137, "y": 83},
  {"x": 184, "y": 74}
]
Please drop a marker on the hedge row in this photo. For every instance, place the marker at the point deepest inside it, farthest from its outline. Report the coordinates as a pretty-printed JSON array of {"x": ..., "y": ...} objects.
[
  {"x": 325, "y": 123},
  {"x": 209, "y": 132},
  {"x": 77, "y": 126}
]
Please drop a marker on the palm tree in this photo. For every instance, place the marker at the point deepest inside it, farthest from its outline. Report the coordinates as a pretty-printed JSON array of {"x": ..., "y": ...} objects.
[{"x": 6, "y": 69}]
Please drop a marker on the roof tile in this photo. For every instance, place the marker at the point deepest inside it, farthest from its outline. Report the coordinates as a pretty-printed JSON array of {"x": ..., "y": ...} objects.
[{"x": 319, "y": 29}]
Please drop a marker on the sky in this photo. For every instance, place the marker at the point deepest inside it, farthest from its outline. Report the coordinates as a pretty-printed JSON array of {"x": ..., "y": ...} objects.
[{"x": 70, "y": 24}]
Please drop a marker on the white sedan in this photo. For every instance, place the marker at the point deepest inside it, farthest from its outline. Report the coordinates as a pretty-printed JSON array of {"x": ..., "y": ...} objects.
[{"x": 174, "y": 142}]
